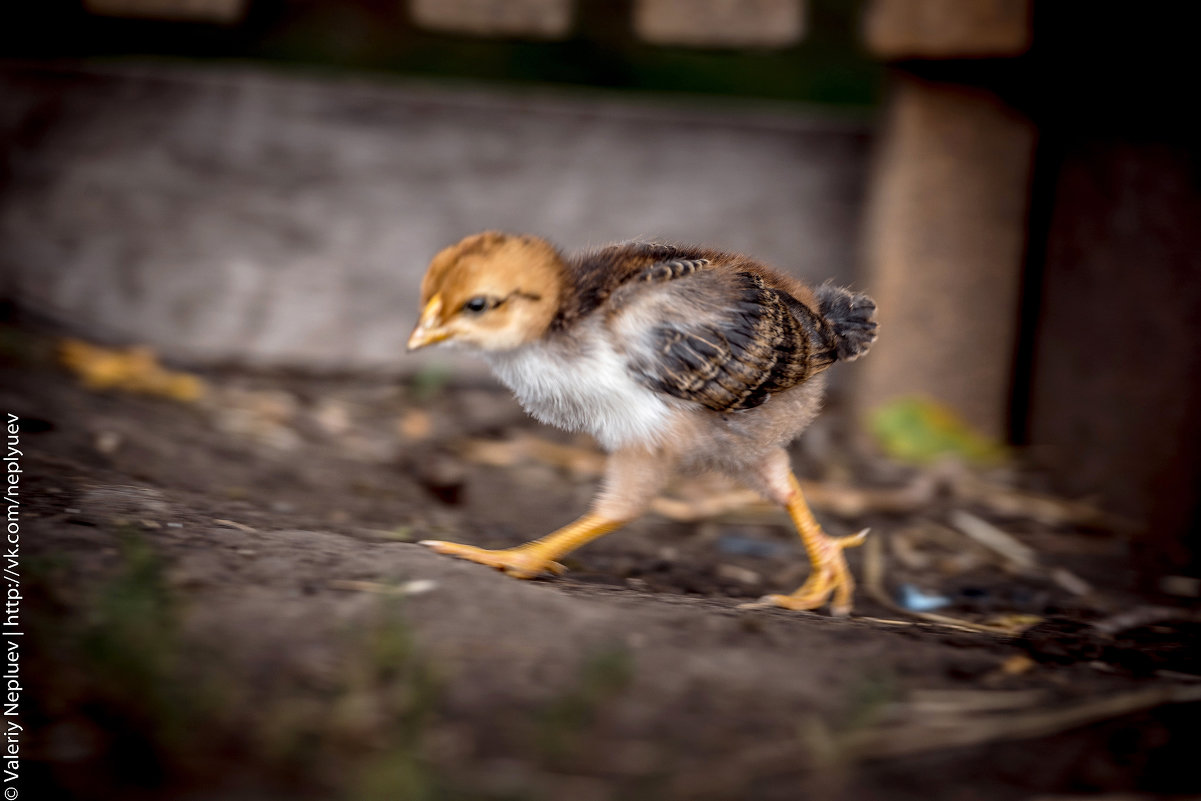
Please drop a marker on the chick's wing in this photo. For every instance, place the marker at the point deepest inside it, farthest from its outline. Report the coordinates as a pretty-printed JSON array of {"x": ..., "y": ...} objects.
[{"x": 720, "y": 337}]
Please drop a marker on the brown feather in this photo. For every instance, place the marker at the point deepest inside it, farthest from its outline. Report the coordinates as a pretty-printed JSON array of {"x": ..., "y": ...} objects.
[{"x": 755, "y": 332}]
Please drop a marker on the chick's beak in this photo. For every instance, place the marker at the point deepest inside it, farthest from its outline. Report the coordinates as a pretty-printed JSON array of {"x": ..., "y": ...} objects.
[{"x": 429, "y": 330}]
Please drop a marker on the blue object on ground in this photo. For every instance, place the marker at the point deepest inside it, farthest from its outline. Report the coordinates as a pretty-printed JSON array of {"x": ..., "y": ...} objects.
[
  {"x": 745, "y": 546},
  {"x": 916, "y": 600}
]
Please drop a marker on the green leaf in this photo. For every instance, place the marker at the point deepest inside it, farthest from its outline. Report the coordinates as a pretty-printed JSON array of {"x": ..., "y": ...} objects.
[{"x": 922, "y": 430}]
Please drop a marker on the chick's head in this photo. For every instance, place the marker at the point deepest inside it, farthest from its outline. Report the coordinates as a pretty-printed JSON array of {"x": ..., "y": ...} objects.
[{"x": 491, "y": 291}]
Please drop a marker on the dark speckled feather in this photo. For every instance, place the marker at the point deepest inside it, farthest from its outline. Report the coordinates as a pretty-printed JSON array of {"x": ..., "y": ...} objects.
[
  {"x": 767, "y": 342},
  {"x": 597, "y": 274},
  {"x": 731, "y": 333}
]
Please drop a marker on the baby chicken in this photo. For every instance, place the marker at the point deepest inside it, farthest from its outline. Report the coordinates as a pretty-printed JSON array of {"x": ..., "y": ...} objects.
[{"x": 675, "y": 358}]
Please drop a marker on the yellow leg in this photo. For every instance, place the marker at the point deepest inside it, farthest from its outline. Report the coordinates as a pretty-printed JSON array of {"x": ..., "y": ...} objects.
[
  {"x": 830, "y": 575},
  {"x": 533, "y": 558}
]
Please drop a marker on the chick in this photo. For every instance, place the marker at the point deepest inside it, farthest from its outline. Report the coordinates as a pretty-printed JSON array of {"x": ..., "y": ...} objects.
[{"x": 675, "y": 358}]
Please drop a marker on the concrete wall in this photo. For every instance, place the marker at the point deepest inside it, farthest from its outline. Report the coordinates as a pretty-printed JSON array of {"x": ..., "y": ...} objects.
[{"x": 223, "y": 214}]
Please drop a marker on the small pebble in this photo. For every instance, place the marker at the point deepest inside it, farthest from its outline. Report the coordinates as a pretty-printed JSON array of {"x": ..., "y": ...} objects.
[
  {"x": 740, "y": 574},
  {"x": 107, "y": 442}
]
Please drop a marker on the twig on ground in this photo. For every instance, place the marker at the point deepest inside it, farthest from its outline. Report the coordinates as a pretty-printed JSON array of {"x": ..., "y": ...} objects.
[
  {"x": 220, "y": 521},
  {"x": 580, "y": 462},
  {"x": 1143, "y": 616},
  {"x": 873, "y": 580},
  {"x": 994, "y": 539},
  {"x": 959, "y": 730},
  {"x": 415, "y": 587},
  {"x": 925, "y": 732}
]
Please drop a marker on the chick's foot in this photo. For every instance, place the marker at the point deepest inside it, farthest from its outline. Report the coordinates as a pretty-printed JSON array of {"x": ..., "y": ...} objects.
[
  {"x": 522, "y": 562},
  {"x": 537, "y": 557},
  {"x": 830, "y": 577}
]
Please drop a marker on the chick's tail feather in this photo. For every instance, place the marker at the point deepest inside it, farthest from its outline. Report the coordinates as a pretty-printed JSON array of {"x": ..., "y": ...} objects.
[{"x": 852, "y": 316}]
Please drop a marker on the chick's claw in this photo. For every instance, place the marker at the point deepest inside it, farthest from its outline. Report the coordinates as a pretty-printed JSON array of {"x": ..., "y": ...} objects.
[
  {"x": 830, "y": 577},
  {"x": 516, "y": 562}
]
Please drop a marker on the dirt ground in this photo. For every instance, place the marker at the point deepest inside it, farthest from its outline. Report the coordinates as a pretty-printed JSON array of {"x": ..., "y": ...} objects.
[{"x": 224, "y": 600}]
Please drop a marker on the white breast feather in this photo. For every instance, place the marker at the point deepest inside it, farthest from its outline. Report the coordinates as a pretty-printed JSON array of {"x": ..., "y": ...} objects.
[{"x": 583, "y": 391}]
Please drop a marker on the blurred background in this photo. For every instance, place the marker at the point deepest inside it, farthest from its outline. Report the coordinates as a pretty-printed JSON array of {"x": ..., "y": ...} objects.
[{"x": 263, "y": 182}]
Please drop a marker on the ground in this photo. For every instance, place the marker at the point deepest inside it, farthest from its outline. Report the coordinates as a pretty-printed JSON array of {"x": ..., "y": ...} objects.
[{"x": 224, "y": 599}]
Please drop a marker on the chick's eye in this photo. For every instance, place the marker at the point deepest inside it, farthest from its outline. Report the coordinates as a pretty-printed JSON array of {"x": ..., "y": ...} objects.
[{"x": 476, "y": 304}]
